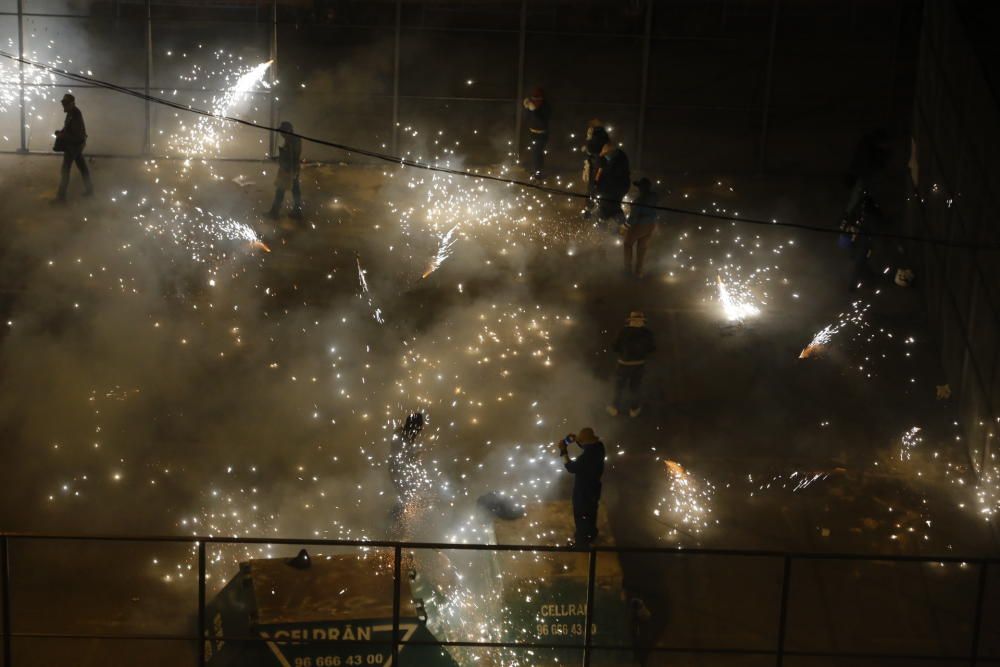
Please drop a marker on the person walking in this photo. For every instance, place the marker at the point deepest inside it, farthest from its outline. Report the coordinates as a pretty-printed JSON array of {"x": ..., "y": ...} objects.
[
  {"x": 596, "y": 136},
  {"x": 633, "y": 345},
  {"x": 537, "y": 112},
  {"x": 70, "y": 141},
  {"x": 289, "y": 166},
  {"x": 587, "y": 469},
  {"x": 612, "y": 183},
  {"x": 639, "y": 227}
]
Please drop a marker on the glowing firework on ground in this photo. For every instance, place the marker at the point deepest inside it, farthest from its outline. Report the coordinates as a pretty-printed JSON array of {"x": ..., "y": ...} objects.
[
  {"x": 688, "y": 502},
  {"x": 854, "y": 317},
  {"x": 366, "y": 294},
  {"x": 736, "y": 301},
  {"x": 909, "y": 442},
  {"x": 444, "y": 250}
]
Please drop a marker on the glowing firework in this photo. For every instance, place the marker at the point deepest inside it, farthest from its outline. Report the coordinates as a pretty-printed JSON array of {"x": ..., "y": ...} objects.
[
  {"x": 909, "y": 442},
  {"x": 444, "y": 250},
  {"x": 688, "y": 500},
  {"x": 366, "y": 294},
  {"x": 735, "y": 302},
  {"x": 854, "y": 317}
]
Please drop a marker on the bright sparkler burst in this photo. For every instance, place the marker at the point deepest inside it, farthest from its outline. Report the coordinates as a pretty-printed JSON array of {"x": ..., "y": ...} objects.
[
  {"x": 855, "y": 317},
  {"x": 687, "y": 505}
]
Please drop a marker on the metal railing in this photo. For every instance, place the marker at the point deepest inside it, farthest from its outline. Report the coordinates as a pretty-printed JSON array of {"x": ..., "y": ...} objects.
[{"x": 779, "y": 652}]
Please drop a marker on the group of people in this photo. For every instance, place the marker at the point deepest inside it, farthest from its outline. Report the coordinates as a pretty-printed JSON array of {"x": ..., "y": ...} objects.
[{"x": 607, "y": 174}]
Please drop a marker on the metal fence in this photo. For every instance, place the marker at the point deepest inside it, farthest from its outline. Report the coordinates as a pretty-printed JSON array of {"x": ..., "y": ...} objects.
[
  {"x": 970, "y": 603},
  {"x": 711, "y": 85}
]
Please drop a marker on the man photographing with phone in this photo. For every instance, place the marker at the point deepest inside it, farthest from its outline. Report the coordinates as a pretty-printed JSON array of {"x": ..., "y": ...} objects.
[{"x": 587, "y": 468}]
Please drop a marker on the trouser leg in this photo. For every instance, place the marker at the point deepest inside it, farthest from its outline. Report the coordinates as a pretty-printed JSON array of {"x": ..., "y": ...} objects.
[
  {"x": 67, "y": 164},
  {"x": 642, "y": 244},
  {"x": 857, "y": 192},
  {"x": 621, "y": 382},
  {"x": 297, "y": 193},
  {"x": 81, "y": 164},
  {"x": 634, "y": 385},
  {"x": 279, "y": 198},
  {"x": 627, "y": 245}
]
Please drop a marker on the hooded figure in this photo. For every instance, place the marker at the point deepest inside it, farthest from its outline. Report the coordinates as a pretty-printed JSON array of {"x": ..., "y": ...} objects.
[
  {"x": 634, "y": 344},
  {"x": 537, "y": 112},
  {"x": 587, "y": 469},
  {"x": 289, "y": 166}
]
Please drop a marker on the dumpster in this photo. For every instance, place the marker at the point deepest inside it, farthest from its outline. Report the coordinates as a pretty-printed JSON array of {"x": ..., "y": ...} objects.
[
  {"x": 545, "y": 593},
  {"x": 334, "y": 611}
]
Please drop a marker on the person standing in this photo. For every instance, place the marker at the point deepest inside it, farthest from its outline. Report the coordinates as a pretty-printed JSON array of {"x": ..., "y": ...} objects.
[
  {"x": 597, "y": 136},
  {"x": 289, "y": 166},
  {"x": 612, "y": 183},
  {"x": 640, "y": 226},
  {"x": 71, "y": 140},
  {"x": 633, "y": 345},
  {"x": 587, "y": 469},
  {"x": 537, "y": 113}
]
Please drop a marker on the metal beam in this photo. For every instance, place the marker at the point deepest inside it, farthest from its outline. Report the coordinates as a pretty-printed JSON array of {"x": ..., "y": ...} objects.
[
  {"x": 521, "y": 49},
  {"x": 147, "y": 141},
  {"x": 202, "y": 616},
  {"x": 274, "y": 76},
  {"x": 646, "y": 41},
  {"x": 768, "y": 79},
  {"x": 395, "y": 78},
  {"x": 5, "y": 610},
  {"x": 20, "y": 74}
]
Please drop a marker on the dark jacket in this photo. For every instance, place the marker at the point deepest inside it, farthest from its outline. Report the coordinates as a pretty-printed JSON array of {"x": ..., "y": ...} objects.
[
  {"x": 615, "y": 178},
  {"x": 74, "y": 131},
  {"x": 290, "y": 155},
  {"x": 634, "y": 344},
  {"x": 537, "y": 119},
  {"x": 598, "y": 137},
  {"x": 638, "y": 214},
  {"x": 588, "y": 468}
]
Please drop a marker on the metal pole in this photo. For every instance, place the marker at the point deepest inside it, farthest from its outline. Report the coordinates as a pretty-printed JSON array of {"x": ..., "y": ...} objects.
[
  {"x": 978, "y": 615},
  {"x": 274, "y": 76},
  {"x": 147, "y": 142},
  {"x": 646, "y": 42},
  {"x": 395, "y": 79},
  {"x": 5, "y": 582},
  {"x": 588, "y": 631},
  {"x": 20, "y": 73},
  {"x": 783, "y": 613},
  {"x": 521, "y": 50},
  {"x": 201, "y": 606},
  {"x": 396, "y": 577},
  {"x": 768, "y": 77}
]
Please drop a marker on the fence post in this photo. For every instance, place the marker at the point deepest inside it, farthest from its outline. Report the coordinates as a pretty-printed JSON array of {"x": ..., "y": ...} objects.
[
  {"x": 588, "y": 631},
  {"x": 397, "y": 563},
  {"x": 201, "y": 604},
  {"x": 646, "y": 43},
  {"x": 783, "y": 613},
  {"x": 274, "y": 76},
  {"x": 147, "y": 141},
  {"x": 20, "y": 74},
  {"x": 395, "y": 79},
  {"x": 977, "y": 621},
  {"x": 768, "y": 77},
  {"x": 5, "y": 582},
  {"x": 522, "y": 46}
]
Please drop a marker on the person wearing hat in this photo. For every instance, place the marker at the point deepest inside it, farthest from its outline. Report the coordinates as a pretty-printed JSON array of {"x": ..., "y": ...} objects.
[
  {"x": 597, "y": 137},
  {"x": 70, "y": 140},
  {"x": 633, "y": 345},
  {"x": 537, "y": 112},
  {"x": 587, "y": 469},
  {"x": 611, "y": 183},
  {"x": 639, "y": 227},
  {"x": 289, "y": 164}
]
